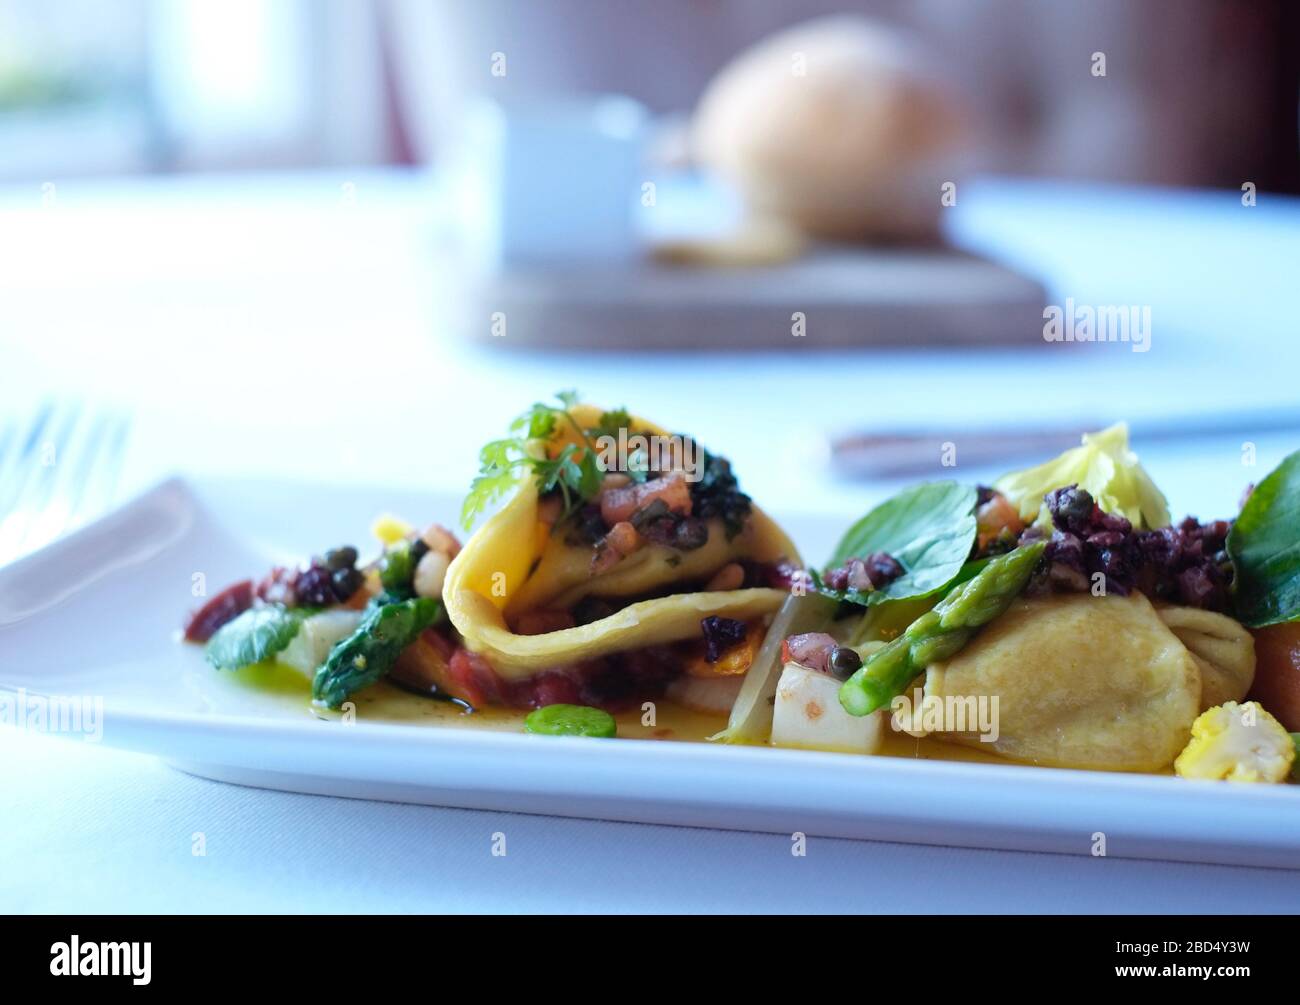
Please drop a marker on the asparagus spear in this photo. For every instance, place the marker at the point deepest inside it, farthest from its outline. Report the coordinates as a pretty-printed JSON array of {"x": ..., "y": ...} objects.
[
  {"x": 370, "y": 652},
  {"x": 941, "y": 632}
]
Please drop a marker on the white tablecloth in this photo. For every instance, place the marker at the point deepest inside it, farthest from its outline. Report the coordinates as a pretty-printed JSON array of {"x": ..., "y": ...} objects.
[{"x": 235, "y": 317}]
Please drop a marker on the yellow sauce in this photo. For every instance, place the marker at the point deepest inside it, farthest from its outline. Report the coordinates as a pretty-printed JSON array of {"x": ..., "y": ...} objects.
[{"x": 272, "y": 690}]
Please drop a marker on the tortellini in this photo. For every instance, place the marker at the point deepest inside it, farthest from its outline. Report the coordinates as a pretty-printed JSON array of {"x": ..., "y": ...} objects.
[
  {"x": 1224, "y": 651},
  {"x": 1081, "y": 682},
  {"x": 516, "y": 563}
]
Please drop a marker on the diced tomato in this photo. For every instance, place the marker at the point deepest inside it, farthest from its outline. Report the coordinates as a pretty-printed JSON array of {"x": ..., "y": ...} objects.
[
  {"x": 444, "y": 645},
  {"x": 220, "y": 609},
  {"x": 1277, "y": 672},
  {"x": 996, "y": 517},
  {"x": 555, "y": 688},
  {"x": 812, "y": 650},
  {"x": 471, "y": 678},
  {"x": 617, "y": 505},
  {"x": 440, "y": 539}
]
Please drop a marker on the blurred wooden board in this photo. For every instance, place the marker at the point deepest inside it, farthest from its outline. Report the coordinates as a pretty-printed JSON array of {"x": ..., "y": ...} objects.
[{"x": 850, "y": 297}]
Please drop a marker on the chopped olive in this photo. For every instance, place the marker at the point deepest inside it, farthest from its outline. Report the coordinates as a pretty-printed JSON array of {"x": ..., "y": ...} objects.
[
  {"x": 587, "y": 527},
  {"x": 656, "y": 509},
  {"x": 720, "y": 634},
  {"x": 844, "y": 662},
  {"x": 691, "y": 534},
  {"x": 313, "y": 587},
  {"x": 346, "y": 582},
  {"x": 341, "y": 558},
  {"x": 570, "y": 720}
]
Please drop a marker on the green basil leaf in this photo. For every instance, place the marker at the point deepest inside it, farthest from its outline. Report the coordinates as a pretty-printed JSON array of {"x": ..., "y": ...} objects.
[
  {"x": 929, "y": 529},
  {"x": 1264, "y": 546},
  {"x": 256, "y": 635}
]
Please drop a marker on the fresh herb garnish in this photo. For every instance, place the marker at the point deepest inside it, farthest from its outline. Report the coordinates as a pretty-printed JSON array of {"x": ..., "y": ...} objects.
[
  {"x": 1264, "y": 551},
  {"x": 575, "y": 472},
  {"x": 928, "y": 529},
  {"x": 256, "y": 635},
  {"x": 611, "y": 422}
]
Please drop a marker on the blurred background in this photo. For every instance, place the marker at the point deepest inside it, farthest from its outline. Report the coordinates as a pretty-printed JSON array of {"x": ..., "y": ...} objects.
[
  {"x": 376, "y": 229},
  {"x": 1205, "y": 92}
]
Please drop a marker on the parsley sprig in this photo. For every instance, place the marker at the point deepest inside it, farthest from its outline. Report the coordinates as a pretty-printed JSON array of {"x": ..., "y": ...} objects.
[{"x": 575, "y": 471}]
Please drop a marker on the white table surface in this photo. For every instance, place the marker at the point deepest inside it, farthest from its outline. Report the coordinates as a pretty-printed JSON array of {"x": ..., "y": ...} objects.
[{"x": 295, "y": 327}]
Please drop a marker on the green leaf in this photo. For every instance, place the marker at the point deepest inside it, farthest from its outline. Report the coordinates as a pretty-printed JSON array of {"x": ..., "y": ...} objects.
[
  {"x": 611, "y": 422},
  {"x": 256, "y": 635},
  {"x": 1265, "y": 549},
  {"x": 1104, "y": 467},
  {"x": 500, "y": 460},
  {"x": 928, "y": 529}
]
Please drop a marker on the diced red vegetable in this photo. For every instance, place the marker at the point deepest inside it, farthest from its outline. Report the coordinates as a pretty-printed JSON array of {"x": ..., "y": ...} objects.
[
  {"x": 812, "y": 650},
  {"x": 227, "y": 605},
  {"x": 617, "y": 505}
]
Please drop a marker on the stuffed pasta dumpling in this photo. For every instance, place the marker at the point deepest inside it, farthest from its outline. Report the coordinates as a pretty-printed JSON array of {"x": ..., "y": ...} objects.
[
  {"x": 1081, "y": 682},
  {"x": 624, "y": 558}
]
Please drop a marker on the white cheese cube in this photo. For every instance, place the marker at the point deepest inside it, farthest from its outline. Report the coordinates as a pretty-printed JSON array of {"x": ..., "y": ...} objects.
[
  {"x": 317, "y": 636},
  {"x": 808, "y": 714}
]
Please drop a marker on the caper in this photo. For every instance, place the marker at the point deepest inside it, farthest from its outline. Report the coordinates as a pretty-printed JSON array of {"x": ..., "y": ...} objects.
[
  {"x": 844, "y": 662},
  {"x": 341, "y": 558}
]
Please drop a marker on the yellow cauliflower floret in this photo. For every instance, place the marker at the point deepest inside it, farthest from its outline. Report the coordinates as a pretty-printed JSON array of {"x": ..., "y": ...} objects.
[
  {"x": 390, "y": 529},
  {"x": 1237, "y": 743}
]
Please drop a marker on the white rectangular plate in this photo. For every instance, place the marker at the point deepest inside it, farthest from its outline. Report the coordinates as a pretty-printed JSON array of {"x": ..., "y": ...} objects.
[{"x": 96, "y": 615}]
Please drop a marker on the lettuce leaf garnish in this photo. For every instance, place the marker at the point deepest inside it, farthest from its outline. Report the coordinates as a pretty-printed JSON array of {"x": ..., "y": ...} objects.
[
  {"x": 1105, "y": 467},
  {"x": 929, "y": 529},
  {"x": 256, "y": 635},
  {"x": 1264, "y": 545}
]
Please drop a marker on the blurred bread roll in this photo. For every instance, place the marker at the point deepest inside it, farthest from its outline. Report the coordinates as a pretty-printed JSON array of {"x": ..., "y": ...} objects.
[{"x": 838, "y": 126}]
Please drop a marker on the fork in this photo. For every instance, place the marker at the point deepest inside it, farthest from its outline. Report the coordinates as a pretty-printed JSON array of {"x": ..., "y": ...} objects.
[{"x": 56, "y": 470}]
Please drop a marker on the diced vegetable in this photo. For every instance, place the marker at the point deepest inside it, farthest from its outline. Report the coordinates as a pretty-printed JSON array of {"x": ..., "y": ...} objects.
[
  {"x": 430, "y": 572},
  {"x": 219, "y": 610},
  {"x": 733, "y": 657},
  {"x": 618, "y": 504},
  {"x": 390, "y": 529},
  {"x": 807, "y": 714},
  {"x": 425, "y": 665},
  {"x": 997, "y": 520},
  {"x": 809, "y": 649},
  {"x": 751, "y": 716},
  {"x": 570, "y": 720},
  {"x": 1277, "y": 671},
  {"x": 319, "y": 633},
  {"x": 1237, "y": 743}
]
